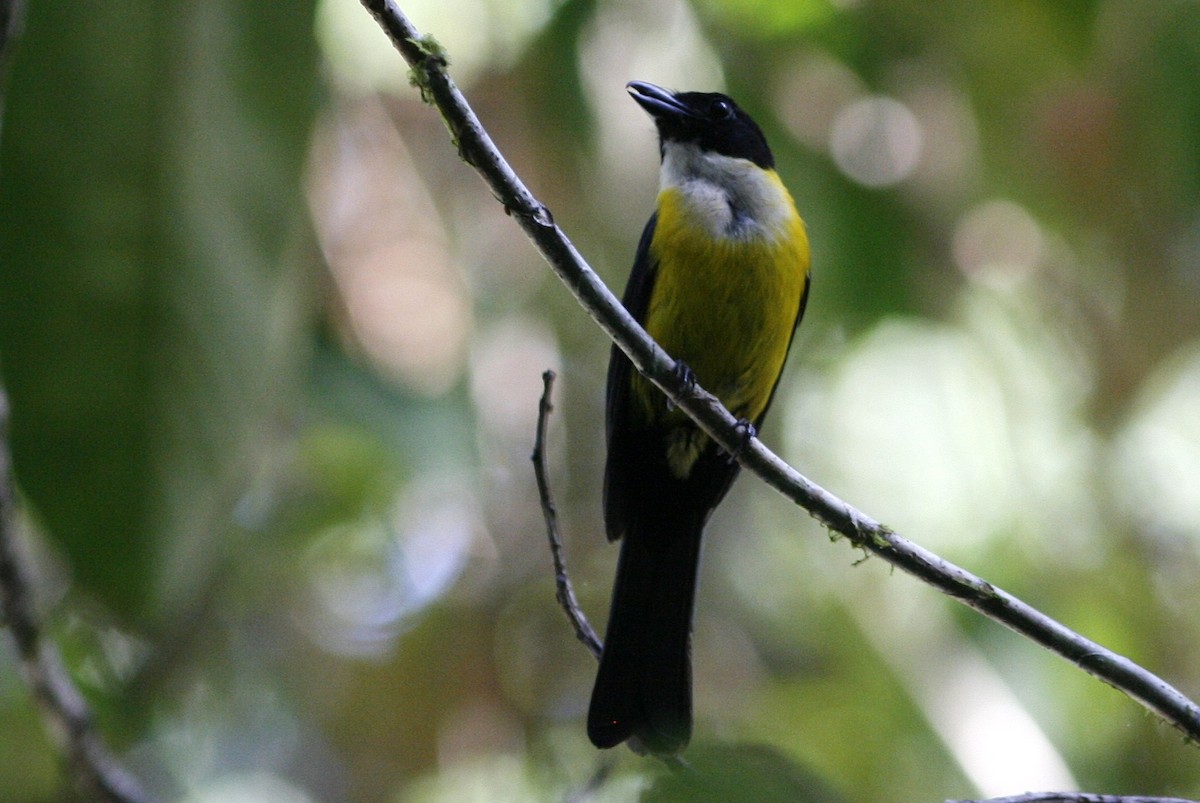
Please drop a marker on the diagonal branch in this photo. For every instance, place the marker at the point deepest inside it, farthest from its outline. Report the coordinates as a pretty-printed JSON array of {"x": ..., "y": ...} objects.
[
  {"x": 1074, "y": 797},
  {"x": 428, "y": 64},
  {"x": 12, "y": 13},
  {"x": 64, "y": 711}
]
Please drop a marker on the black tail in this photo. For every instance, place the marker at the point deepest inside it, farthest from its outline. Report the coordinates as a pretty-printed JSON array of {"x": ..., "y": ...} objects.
[{"x": 644, "y": 684}]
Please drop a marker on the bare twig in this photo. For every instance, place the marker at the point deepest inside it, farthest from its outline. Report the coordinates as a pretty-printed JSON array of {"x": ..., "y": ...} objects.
[
  {"x": 562, "y": 581},
  {"x": 11, "y": 17},
  {"x": 564, "y": 590},
  {"x": 12, "y": 14},
  {"x": 64, "y": 711},
  {"x": 429, "y": 73},
  {"x": 1074, "y": 797}
]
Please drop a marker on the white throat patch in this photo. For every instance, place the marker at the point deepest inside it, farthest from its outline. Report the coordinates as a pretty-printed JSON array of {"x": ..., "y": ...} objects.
[{"x": 734, "y": 198}]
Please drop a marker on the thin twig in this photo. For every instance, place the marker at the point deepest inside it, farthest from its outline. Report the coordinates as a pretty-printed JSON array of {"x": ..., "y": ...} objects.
[
  {"x": 64, "y": 711},
  {"x": 564, "y": 591},
  {"x": 96, "y": 772},
  {"x": 429, "y": 72},
  {"x": 12, "y": 14},
  {"x": 1074, "y": 797}
]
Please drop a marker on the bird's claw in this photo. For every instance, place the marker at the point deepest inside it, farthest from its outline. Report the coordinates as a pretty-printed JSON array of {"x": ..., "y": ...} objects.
[
  {"x": 746, "y": 433},
  {"x": 685, "y": 376}
]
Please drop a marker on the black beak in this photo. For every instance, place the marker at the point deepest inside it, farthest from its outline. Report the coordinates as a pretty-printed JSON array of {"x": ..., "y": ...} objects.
[{"x": 659, "y": 102}]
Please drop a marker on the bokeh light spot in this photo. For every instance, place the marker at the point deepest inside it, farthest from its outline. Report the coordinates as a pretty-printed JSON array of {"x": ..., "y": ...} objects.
[
  {"x": 367, "y": 577},
  {"x": 1157, "y": 455},
  {"x": 997, "y": 242},
  {"x": 876, "y": 141}
]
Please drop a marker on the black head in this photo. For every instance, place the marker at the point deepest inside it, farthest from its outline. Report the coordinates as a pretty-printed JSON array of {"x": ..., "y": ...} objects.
[{"x": 708, "y": 119}]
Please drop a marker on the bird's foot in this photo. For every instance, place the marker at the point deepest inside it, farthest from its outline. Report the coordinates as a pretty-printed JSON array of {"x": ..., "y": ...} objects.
[
  {"x": 685, "y": 377},
  {"x": 746, "y": 433}
]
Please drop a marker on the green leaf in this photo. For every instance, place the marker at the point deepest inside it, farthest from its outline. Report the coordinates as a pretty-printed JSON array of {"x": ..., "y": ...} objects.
[
  {"x": 149, "y": 178},
  {"x": 739, "y": 772}
]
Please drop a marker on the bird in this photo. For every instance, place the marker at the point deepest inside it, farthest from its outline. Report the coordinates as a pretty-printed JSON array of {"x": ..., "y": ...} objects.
[{"x": 720, "y": 280}]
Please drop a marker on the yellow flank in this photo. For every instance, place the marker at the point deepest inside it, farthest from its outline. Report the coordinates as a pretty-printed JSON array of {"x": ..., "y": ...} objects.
[{"x": 726, "y": 306}]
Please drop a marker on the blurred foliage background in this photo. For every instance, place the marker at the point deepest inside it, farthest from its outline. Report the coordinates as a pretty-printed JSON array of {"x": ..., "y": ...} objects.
[{"x": 273, "y": 356}]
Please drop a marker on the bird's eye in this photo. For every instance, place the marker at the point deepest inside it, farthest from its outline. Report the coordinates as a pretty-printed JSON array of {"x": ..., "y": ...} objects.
[{"x": 721, "y": 109}]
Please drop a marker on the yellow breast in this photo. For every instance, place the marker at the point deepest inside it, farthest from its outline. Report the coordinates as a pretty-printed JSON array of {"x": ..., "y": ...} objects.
[{"x": 725, "y": 299}]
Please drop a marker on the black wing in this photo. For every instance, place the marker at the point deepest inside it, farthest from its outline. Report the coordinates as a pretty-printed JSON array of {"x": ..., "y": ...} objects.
[{"x": 622, "y": 439}]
